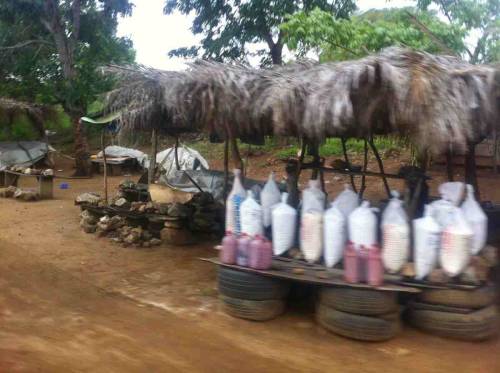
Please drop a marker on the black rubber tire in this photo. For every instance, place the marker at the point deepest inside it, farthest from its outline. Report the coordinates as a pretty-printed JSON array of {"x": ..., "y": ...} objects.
[
  {"x": 359, "y": 301},
  {"x": 244, "y": 285},
  {"x": 475, "y": 299},
  {"x": 363, "y": 328},
  {"x": 256, "y": 310},
  {"x": 476, "y": 326},
  {"x": 439, "y": 307}
]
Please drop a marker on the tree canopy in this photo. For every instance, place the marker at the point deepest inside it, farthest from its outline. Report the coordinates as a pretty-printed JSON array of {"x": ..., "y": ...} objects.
[
  {"x": 369, "y": 32},
  {"x": 50, "y": 51},
  {"x": 229, "y": 27}
]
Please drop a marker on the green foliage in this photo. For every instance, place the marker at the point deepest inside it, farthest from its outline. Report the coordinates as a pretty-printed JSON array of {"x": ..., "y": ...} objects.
[
  {"x": 32, "y": 66},
  {"x": 228, "y": 27},
  {"x": 480, "y": 18},
  {"x": 339, "y": 39},
  {"x": 20, "y": 128}
]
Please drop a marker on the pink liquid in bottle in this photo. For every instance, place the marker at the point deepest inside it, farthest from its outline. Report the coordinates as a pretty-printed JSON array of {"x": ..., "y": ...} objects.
[
  {"x": 363, "y": 264},
  {"x": 229, "y": 249},
  {"x": 351, "y": 264},
  {"x": 375, "y": 267},
  {"x": 266, "y": 261},
  {"x": 254, "y": 252},
  {"x": 243, "y": 250}
]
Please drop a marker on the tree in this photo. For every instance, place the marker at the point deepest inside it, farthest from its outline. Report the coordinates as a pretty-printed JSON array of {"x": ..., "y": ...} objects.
[
  {"x": 333, "y": 39},
  {"x": 50, "y": 51},
  {"x": 229, "y": 27},
  {"x": 478, "y": 18}
]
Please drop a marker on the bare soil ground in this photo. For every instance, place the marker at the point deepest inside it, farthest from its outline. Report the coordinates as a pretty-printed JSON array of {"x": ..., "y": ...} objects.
[{"x": 72, "y": 302}]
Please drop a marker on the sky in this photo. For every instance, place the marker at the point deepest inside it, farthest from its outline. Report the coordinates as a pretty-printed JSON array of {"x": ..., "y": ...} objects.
[{"x": 155, "y": 34}]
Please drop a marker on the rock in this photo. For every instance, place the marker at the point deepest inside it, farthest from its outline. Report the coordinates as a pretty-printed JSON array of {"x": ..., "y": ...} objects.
[
  {"x": 88, "y": 228},
  {"x": 147, "y": 236},
  {"x": 178, "y": 210},
  {"x": 116, "y": 239},
  {"x": 176, "y": 236},
  {"x": 130, "y": 239},
  {"x": 8, "y": 192},
  {"x": 162, "y": 208},
  {"x": 48, "y": 172},
  {"x": 121, "y": 202},
  {"x": 99, "y": 232},
  {"x": 88, "y": 217},
  {"x": 90, "y": 198},
  {"x": 26, "y": 195},
  {"x": 155, "y": 242},
  {"x": 408, "y": 270},
  {"x": 150, "y": 206},
  {"x": 438, "y": 276}
]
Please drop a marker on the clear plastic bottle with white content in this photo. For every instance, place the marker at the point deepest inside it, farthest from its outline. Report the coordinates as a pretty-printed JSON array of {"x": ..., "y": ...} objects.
[
  {"x": 251, "y": 216},
  {"x": 284, "y": 225},
  {"x": 334, "y": 236},
  {"x": 269, "y": 197},
  {"x": 232, "y": 207},
  {"x": 477, "y": 219}
]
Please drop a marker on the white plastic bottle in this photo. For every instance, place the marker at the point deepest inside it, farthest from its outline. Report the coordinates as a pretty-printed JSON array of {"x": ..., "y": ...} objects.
[
  {"x": 251, "y": 216},
  {"x": 362, "y": 226},
  {"x": 284, "y": 225},
  {"x": 427, "y": 240},
  {"x": 395, "y": 235},
  {"x": 269, "y": 197},
  {"x": 346, "y": 201},
  {"x": 313, "y": 198},
  {"x": 233, "y": 201},
  {"x": 456, "y": 244},
  {"x": 334, "y": 235},
  {"x": 477, "y": 219}
]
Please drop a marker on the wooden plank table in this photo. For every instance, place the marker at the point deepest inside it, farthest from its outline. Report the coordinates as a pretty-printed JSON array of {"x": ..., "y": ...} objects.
[{"x": 283, "y": 268}]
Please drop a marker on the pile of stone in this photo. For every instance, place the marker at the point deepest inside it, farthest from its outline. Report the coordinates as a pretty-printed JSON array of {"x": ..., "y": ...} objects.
[
  {"x": 27, "y": 195},
  {"x": 117, "y": 230},
  {"x": 31, "y": 171},
  {"x": 91, "y": 198},
  {"x": 207, "y": 216}
]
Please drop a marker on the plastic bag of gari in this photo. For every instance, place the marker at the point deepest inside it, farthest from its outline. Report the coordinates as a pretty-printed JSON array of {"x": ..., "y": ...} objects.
[
  {"x": 251, "y": 216},
  {"x": 284, "y": 225},
  {"x": 233, "y": 204},
  {"x": 456, "y": 244},
  {"x": 334, "y": 235},
  {"x": 395, "y": 235},
  {"x": 313, "y": 198},
  {"x": 477, "y": 219},
  {"x": 362, "y": 226},
  {"x": 346, "y": 201},
  {"x": 311, "y": 235},
  {"x": 269, "y": 197},
  {"x": 427, "y": 240}
]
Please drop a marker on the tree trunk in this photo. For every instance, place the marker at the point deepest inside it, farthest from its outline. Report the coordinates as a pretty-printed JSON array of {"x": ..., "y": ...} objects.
[
  {"x": 277, "y": 53},
  {"x": 82, "y": 156}
]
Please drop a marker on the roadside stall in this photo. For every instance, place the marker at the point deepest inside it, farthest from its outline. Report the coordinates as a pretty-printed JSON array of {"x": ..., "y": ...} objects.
[{"x": 359, "y": 257}]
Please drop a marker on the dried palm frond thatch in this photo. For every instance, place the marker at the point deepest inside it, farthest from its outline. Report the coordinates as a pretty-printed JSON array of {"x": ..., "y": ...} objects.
[
  {"x": 36, "y": 113},
  {"x": 432, "y": 100}
]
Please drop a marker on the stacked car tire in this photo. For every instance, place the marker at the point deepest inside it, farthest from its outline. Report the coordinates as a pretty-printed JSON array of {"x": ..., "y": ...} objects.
[
  {"x": 362, "y": 314},
  {"x": 250, "y": 296},
  {"x": 455, "y": 313}
]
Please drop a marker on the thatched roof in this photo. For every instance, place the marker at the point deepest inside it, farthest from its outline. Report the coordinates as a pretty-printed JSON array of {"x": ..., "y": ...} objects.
[
  {"x": 36, "y": 113},
  {"x": 432, "y": 100}
]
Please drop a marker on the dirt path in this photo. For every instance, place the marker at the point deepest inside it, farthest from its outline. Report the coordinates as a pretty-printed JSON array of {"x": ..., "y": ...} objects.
[{"x": 71, "y": 302}]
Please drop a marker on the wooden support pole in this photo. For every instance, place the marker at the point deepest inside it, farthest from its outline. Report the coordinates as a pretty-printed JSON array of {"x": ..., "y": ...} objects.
[
  {"x": 380, "y": 166},
  {"x": 105, "y": 165},
  {"x": 226, "y": 168},
  {"x": 470, "y": 168},
  {"x": 176, "y": 154},
  {"x": 363, "y": 177},
  {"x": 449, "y": 163},
  {"x": 152, "y": 161},
  {"x": 346, "y": 159}
]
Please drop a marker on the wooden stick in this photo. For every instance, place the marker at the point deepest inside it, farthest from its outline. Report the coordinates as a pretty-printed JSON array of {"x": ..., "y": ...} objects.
[
  {"x": 449, "y": 163},
  {"x": 105, "y": 165},
  {"x": 346, "y": 159},
  {"x": 226, "y": 168},
  {"x": 152, "y": 161},
  {"x": 363, "y": 177},
  {"x": 176, "y": 154},
  {"x": 380, "y": 166}
]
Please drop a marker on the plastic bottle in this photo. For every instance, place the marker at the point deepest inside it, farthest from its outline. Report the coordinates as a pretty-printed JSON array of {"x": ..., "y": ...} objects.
[
  {"x": 477, "y": 220},
  {"x": 233, "y": 202},
  {"x": 229, "y": 249},
  {"x": 260, "y": 254},
  {"x": 269, "y": 197},
  {"x": 456, "y": 245},
  {"x": 311, "y": 235},
  {"x": 243, "y": 250},
  {"x": 395, "y": 235},
  {"x": 351, "y": 264},
  {"x": 313, "y": 198},
  {"x": 346, "y": 201},
  {"x": 334, "y": 235},
  {"x": 375, "y": 275},
  {"x": 251, "y": 216},
  {"x": 362, "y": 254},
  {"x": 284, "y": 223},
  {"x": 362, "y": 226},
  {"x": 426, "y": 243}
]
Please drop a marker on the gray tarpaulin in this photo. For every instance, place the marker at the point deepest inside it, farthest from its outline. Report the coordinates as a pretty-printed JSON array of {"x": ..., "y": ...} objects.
[
  {"x": 22, "y": 153},
  {"x": 211, "y": 181}
]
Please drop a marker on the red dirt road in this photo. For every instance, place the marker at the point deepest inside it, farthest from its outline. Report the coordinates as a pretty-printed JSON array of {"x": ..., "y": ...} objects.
[{"x": 71, "y": 302}]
